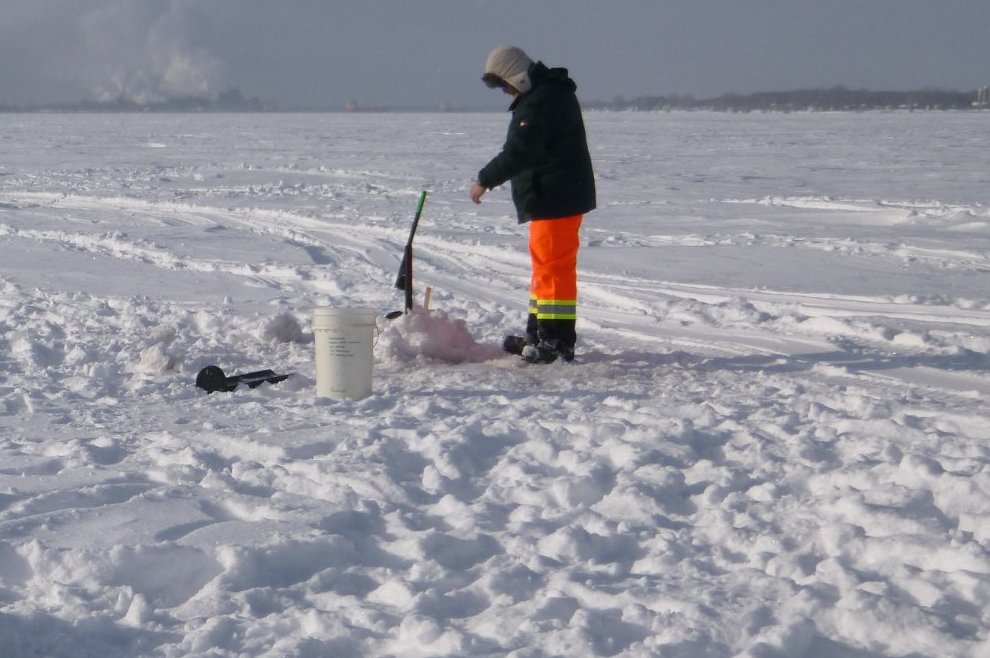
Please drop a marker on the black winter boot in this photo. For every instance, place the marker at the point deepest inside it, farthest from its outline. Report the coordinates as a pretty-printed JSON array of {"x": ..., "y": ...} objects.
[
  {"x": 556, "y": 340},
  {"x": 548, "y": 351},
  {"x": 516, "y": 344}
]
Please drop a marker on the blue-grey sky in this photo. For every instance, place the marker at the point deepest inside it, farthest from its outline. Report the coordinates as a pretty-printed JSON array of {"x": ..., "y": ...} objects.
[{"x": 427, "y": 53}]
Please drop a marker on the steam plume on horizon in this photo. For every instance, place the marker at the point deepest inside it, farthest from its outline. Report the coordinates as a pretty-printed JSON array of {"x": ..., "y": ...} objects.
[{"x": 137, "y": 50}]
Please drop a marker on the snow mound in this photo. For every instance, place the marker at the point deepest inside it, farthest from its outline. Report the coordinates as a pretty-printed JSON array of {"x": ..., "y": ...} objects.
[
  {"x": 280, "y": 328},
  {"x": 156, "y": 360},
  {"x": 433, "y": 335}
]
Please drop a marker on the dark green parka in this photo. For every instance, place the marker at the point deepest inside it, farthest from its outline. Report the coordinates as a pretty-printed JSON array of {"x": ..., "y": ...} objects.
[{"x": 546, "y": 151}]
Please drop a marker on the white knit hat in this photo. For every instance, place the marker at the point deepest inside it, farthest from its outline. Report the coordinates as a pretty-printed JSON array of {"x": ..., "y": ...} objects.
[{"x": 508, "y": 64}]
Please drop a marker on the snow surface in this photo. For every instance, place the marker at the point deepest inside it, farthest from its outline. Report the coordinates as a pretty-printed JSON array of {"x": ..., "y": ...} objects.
[{"x": 775, "y": 441}]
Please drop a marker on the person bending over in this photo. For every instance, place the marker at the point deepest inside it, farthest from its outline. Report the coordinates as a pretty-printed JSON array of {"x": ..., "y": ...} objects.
[{"x": 546, "y": 158}]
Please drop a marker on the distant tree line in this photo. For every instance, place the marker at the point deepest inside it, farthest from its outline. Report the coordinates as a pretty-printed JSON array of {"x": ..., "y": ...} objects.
[
  {"x": 833, "y": 99},
  {"x": 803, "y": 100}
]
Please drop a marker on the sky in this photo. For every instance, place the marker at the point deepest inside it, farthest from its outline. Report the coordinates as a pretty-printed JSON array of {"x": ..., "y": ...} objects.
[{"x": 431, "y": 53}]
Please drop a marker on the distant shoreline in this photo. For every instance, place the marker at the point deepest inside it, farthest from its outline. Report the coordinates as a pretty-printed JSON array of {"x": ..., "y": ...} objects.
[{"x": 834, "y": 99}]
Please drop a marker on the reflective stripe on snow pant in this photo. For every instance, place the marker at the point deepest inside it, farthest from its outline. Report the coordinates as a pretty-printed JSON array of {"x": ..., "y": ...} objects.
[{"x": 553, "y": 248}]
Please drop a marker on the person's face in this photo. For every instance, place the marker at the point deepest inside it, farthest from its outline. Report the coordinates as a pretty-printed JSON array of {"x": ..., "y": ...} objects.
[{"x": 509, "y": 89}]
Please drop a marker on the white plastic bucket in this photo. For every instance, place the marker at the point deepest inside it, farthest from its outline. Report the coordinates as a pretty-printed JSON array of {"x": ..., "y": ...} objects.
[{"x": 344, "y": 340}]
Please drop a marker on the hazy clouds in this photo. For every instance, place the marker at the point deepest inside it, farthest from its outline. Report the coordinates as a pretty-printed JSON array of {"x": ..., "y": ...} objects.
[{"x": 430, "y": 52}]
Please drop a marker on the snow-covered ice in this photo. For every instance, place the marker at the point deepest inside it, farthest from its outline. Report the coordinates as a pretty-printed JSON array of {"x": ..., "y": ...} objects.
[{"x": 775, "y": 441}]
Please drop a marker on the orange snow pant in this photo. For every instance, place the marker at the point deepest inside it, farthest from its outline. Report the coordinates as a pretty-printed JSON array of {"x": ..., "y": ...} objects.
[{"x": 553, "y": 248}]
